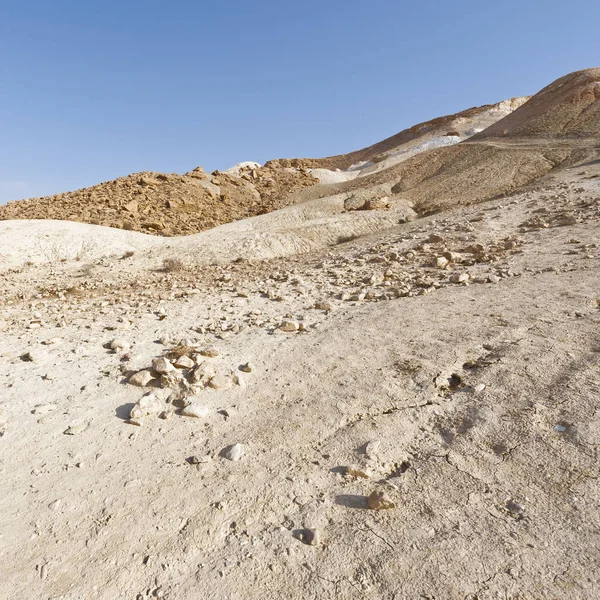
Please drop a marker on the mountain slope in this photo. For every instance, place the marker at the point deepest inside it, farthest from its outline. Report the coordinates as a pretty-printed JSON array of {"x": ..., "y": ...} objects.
[
  {"x": 570, "y": 106},
  {"x": 172, "y": 204}
]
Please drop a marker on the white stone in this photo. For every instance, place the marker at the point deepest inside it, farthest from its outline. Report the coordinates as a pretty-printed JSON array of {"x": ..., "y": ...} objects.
[
  {"x": 141, "y": 378},
  {"x": 44, "y": 409},
  {"x": 202, "y": 373},
  {"x": 220, "y": 382},
  {"x": 76, "y": 428},
  {"x": 118, "y": 345},
  {"x": 235, "y": 452},
  {"x": 162, "y": 365},
  {"x": 195, "y": 410},
  {"x": 184, "y": 362},
  {"x": 147, "y": 405}
]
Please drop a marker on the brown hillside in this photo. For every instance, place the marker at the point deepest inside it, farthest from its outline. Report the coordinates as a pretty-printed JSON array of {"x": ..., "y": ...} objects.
[
  {"x": 568, "y": 106},
  {"x": 167, "y": 205},
  {"x": 371, "y": 153}
]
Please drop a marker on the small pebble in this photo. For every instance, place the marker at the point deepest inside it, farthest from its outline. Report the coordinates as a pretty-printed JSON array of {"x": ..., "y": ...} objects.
[
  {"x": 141, "y": 378},
  {"x": 379, "y": 500},
  {"x": 162, "y": 365},
  {"x": 195, "y": 410},
  {"x": 75, "y": 428},
  {"x": 235, "y": 452}
]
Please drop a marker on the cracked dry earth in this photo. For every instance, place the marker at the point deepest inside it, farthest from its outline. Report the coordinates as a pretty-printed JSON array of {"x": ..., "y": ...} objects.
[{"x": 451, "y": 362}]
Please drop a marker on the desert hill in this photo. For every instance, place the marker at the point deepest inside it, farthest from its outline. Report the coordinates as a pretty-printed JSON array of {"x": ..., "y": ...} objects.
[
  {"x": 383, "y": 386},
  {"x": 172, "y": 204},
  {"x": 167, "y": 204},
  {"x": 555, "y": 128},
  {"x": 459, "y": 125},
  {"x": 570, "y": 106}
]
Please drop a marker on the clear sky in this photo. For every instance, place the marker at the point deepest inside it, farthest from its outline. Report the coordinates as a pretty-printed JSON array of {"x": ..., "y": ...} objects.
[{"x": 90, "y": 91}]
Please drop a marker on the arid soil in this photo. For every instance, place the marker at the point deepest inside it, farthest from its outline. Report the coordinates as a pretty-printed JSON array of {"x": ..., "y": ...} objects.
[{"x": 379, "y": 390}]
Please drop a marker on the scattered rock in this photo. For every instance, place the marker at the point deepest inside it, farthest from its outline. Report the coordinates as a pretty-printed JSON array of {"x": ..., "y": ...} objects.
[
  {"x": 247, "y": 368},
  {"x": 210, "y": 352},
  {"x": 289, "y": 326},
  {"x": 141, "y": 378},
  {"x": 162, "y": 365},
  {"x": 118, "y": 346},
  {"x": 379, "y": 500},
  {"x": 357, "y": 472},
  {"x": 220, "y": 382},
  {"x": 235, "y": 452},
  {"x": 76, "y": 428},
  {"x": 195, "y": 410},
  {"x": 147, "y": 405},
  {"x": 184, "y": 362},
  {"x": 324, "y": 305}
]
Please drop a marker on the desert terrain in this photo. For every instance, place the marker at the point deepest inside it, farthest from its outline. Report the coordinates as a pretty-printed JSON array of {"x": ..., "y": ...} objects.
[{"x": 368, "y": 376}]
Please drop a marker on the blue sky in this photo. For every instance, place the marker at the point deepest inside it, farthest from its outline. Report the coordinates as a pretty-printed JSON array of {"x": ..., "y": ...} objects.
[{"x": 93, "y": 91}]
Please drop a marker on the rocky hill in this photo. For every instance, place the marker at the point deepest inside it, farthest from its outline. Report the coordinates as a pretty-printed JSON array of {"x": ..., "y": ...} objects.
[
  {"x": 570, "y": 106},
  {"x": 387, "y": 388},
  {"x": 168, "y": 204},
  {"x": 172, "y": 204}
]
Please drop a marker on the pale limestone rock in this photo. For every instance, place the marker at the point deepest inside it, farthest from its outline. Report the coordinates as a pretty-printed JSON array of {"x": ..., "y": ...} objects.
[
  {"x": 220, "y": 382},
  {"x": 195, "y": 410},
  {"x": 203, "y": 373},
  {"x": 118, "y": 345},
  {"x": 146, "y": 406},
  {"x": 162, "y": 365},
  {"x": 184, "y": 362},
  {"x": 235, "y": 452},
  {"x": 76, "y": 428},
  {"x": 210, "y": 352},
  {"x": 141, "y": 378}
]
